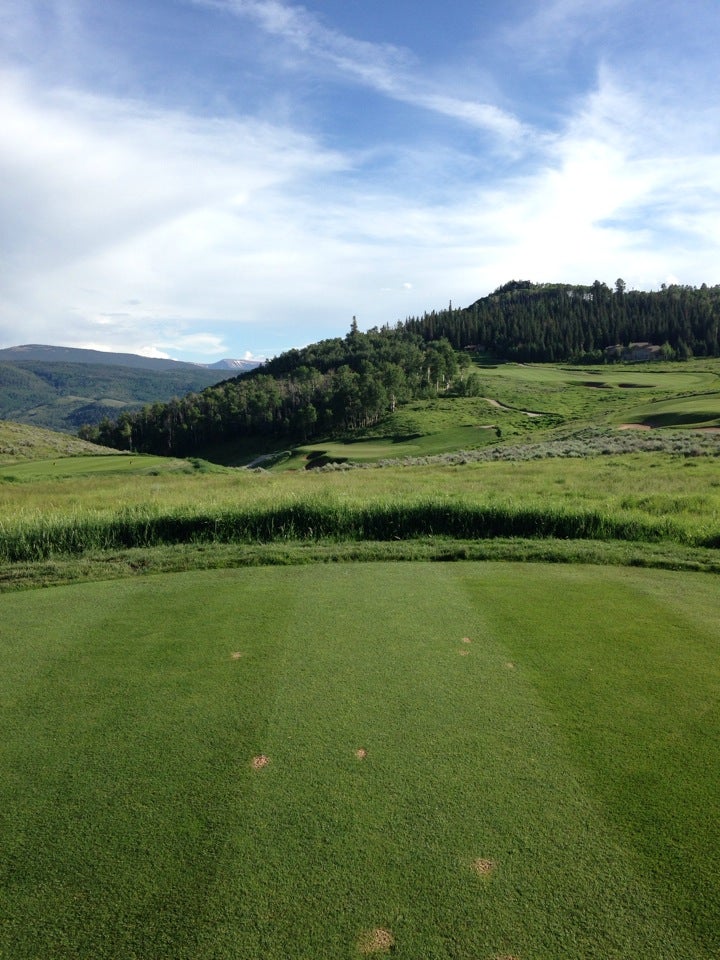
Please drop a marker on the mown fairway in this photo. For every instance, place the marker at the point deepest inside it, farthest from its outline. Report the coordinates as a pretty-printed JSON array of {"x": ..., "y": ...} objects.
[{"x": 548, "y": 790}]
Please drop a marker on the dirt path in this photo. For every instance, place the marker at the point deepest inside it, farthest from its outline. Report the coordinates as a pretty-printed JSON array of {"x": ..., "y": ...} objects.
[{"x": 504, "y": 406}]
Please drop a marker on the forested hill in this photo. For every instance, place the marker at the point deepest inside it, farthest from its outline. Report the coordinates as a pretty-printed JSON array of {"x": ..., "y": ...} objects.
[
  {"x": 552, "y": 321},
  {"x": 335, "y": 385},
  {"x": 341, "y": 384}
]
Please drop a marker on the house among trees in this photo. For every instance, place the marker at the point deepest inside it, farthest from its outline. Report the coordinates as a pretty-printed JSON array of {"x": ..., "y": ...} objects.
[{"x": 634, "y": 352}]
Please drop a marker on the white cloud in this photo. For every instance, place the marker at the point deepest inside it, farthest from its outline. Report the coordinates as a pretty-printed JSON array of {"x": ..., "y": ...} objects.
[
  {"x": 162, "y": 233},
  {"x": 112, "y": 209},
  {"x": 627, "y": 189}
]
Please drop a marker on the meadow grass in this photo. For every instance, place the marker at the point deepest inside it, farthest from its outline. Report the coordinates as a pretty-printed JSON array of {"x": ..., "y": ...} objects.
[
  {"x": 327, "y": 520},
  {"x": 647, "y": 497},
  {"x": 138, "y": 562},
  {"x": 548, "y": 789}
]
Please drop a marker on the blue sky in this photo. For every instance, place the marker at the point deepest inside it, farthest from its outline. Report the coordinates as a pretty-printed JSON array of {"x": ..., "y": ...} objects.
[{"x": 220, "y": 178}]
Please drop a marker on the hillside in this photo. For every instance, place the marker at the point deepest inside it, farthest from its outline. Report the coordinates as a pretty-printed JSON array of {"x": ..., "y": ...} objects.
[
  {"x": 20, "y": 442},
  {"x": 550, "y": 322},
  {"x": 34, "y": 352},
  {"x": 63, "y": 396},
  {"x": 341, "y": 387}
]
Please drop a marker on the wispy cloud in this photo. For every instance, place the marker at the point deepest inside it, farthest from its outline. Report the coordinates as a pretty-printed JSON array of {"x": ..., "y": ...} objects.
[
  {"x": 384, "y": 68},
  {"x": 555, "y": 26}
]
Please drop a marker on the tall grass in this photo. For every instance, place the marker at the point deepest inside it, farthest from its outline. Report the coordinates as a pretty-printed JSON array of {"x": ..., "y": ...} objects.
[{"x": 313, "y": 520}]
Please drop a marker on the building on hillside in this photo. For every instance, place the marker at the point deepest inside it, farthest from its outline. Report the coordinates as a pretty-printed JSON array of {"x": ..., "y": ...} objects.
[{"x": 633, "y": 352}]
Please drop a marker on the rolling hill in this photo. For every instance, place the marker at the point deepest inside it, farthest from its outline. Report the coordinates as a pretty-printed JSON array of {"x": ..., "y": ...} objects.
[
  {"x": 34, "y": 352},
  {"x": 62, "y": 388}
]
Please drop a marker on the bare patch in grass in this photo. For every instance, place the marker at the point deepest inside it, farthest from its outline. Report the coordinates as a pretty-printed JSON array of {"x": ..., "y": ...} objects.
[
  {"x": 483, "y": 867},
  {"x": 509, "y": 665},
  {"x": 259, "y": 762},
  {"x": 237, "y": 655},
  {"x": 361, "y": 753},
  {"x": 378, "y": 940},
  {"x": 466, "y": 640}
]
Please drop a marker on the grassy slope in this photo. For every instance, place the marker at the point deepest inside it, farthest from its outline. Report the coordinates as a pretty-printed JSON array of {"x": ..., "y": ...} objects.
[
  {"x": 674, "y": 496},
  {"x": 557, "y": 397},
  {"x": 571, "y": 748},
  {"x": 21, "y": 442}
]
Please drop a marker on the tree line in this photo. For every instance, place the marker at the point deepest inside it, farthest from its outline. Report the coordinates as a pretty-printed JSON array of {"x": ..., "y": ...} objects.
[{"x": 548, "y": 322}]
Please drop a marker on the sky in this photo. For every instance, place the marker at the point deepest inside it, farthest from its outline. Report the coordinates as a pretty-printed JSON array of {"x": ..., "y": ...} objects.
[{"x": 204, "y": 179}]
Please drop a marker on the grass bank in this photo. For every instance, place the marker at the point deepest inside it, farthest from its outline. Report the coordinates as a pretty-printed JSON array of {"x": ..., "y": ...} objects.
[{"x": 134, "y": 562}]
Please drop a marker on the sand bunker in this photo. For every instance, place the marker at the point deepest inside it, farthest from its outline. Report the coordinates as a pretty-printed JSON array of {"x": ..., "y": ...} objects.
[
  {"x": 259, "y": 762},
  {"x": 378, "y": 940}
]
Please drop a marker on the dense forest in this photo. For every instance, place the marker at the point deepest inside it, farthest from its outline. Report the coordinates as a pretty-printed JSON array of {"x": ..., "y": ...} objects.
[
  {"x": 333, "y": 386},
  {"x": 553, "y": 322},
  {"x": 342, "y": 384}
]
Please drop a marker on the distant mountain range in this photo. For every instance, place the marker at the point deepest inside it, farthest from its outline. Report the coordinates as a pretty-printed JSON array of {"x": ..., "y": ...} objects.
[
  {"x": 37, "y": 352},
  {"x": 64, "y": 388}
]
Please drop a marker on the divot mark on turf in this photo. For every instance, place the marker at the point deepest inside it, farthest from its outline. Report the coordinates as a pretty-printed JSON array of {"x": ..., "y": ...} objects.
[
  {"x": 237, "y": 655},
  {"x": 509, "y": 665},
  {"x": 466, "y": 640},
  {"x": 361, "y": 753},
  {"x": 483, "y": 867},
  {"x": 259, "y": 762},
  {"x": 378, "y": 940},
  {"x": 463, "y": 653}
]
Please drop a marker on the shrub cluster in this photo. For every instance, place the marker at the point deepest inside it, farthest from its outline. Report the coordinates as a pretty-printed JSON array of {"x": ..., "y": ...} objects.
[{"x": 590, "y": 442}]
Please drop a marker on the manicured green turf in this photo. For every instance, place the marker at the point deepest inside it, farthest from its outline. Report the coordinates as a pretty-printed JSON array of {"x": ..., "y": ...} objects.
[
  {"x": 573, "y": 743},
  {"x": 369, "y": 451},
  {"x": 696, "y": 411},
  {"x": 608, "y": 393}
]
